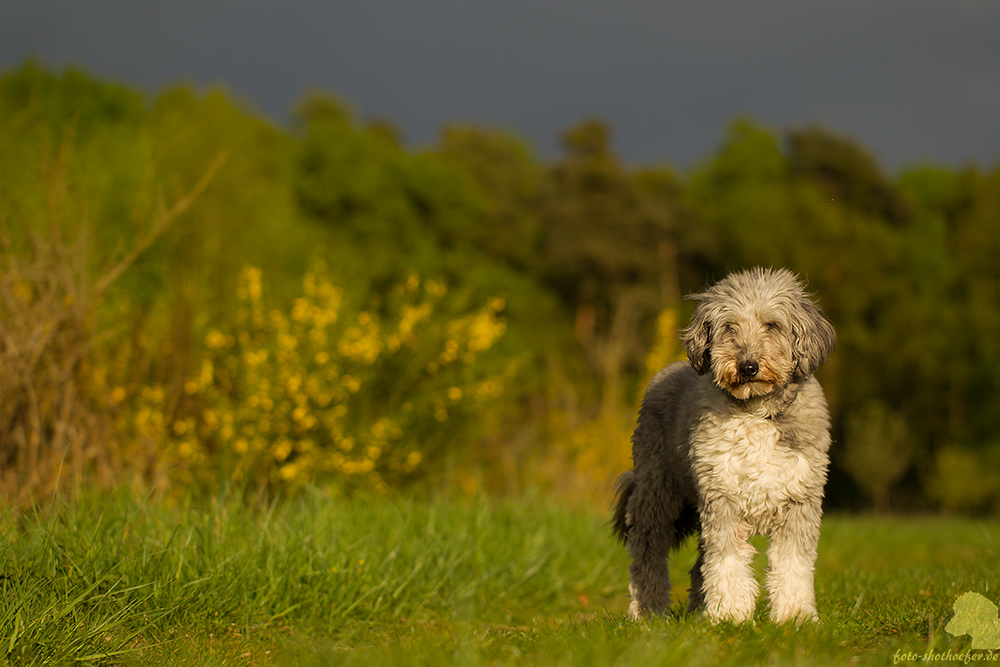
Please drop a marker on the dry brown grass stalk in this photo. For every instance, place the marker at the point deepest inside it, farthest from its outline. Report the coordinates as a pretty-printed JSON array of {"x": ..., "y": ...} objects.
[{"x": 55, "y": 431}]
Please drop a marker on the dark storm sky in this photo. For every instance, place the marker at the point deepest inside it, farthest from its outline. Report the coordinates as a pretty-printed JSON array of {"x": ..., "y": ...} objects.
[{"x": 913, "y": 80}]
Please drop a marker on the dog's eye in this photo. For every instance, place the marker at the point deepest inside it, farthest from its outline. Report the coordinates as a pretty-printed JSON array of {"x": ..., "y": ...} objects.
[
  {"x": 773, "y": 327},
  {"x": 729, "y": 329}
]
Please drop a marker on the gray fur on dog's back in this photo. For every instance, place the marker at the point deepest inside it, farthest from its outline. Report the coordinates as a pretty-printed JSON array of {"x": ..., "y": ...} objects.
[{"x": 659, "y": 447}]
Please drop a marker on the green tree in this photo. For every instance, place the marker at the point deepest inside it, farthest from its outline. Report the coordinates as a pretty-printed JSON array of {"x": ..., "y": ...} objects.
[
  {"x": 511, "y": 182},
  {"x": 878, "y": 451},
  {"x": 845, "y": 171},
  {"x": 609, "y": 242}
]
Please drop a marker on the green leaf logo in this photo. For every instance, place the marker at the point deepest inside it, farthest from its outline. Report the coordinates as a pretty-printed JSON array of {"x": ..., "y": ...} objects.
[{"x": 977, "y": 617}]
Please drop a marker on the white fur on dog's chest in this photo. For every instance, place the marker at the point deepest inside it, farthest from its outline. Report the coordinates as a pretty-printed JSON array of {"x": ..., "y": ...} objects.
[{"x": 740, "y": 457}]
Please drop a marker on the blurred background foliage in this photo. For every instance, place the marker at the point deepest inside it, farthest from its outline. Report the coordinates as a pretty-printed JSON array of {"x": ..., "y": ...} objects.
[{"x": 192, "y": 297}]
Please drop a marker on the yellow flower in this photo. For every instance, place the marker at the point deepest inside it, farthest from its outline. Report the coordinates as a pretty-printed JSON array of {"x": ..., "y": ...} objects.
[
  {"x": 485, "y": 330},
  {"x": 281, "y": 450},
  {"x": 413, "y": 459},
  {"x": 435, "y": 288},
  {"x": 300, "y": 310},
  {"x": 287, "y": 342},
  {"x": 210, "y": 418},
  {"x": 251, "y": 277},
  {"x": 450, "y": 352},
  {"x": 207, "y": 373},
  {"x": 187, "y": 425},
  {"x": 350, "y": 383},
  {"x": 117, "y": 395},
  {"x": 215, "y": 339}
]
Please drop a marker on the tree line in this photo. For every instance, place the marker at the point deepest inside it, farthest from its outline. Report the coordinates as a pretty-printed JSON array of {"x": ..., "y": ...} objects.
[{"x": 129, "y": 225}]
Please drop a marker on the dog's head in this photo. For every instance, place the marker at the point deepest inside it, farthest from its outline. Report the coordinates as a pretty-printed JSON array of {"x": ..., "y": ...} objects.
[{"x": 756, "y": 331}]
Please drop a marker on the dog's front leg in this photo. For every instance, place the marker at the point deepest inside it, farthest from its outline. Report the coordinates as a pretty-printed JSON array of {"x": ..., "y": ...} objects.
[
  {"x": 730, "y": 588},
  {"x": 791, "y": 561}
]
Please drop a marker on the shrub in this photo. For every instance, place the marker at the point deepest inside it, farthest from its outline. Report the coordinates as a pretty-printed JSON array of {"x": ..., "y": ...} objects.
[
  {"x": 962, "y": 479},
  {"x": 878, "y": 450},
  {"x": 45, "y": 335},
  {"x": 56, "y": 412},
  {"x": 359, "y": 399},
  {"x": 588, "y": 454}
]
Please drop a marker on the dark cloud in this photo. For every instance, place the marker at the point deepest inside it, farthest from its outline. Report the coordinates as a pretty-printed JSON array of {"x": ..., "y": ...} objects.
[{"x": 913, "y": 80}]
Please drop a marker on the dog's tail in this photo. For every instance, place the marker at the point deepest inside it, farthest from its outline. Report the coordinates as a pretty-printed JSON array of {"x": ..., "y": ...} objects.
[{"x": 623, "y": 491}]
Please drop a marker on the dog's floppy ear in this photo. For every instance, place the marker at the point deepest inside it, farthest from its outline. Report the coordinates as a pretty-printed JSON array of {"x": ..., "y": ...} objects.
[
  {"x": 697, "y": 339},
  {"x": 813, "y": 338}
]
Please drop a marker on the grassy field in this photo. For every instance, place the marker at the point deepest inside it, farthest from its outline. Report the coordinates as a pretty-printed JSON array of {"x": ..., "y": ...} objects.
[{"x": 315, "y": 581}]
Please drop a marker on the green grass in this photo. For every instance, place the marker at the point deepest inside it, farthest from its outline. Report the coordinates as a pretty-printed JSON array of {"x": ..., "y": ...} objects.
[{"x": 315, "y": 581}]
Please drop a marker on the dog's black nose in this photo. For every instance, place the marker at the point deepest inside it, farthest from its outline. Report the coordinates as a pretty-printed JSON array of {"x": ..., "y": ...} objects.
[{"x": 748, "y": 369}]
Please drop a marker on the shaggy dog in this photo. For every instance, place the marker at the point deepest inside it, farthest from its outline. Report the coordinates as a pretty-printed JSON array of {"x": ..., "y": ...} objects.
[{"x": 730, "y": 445}]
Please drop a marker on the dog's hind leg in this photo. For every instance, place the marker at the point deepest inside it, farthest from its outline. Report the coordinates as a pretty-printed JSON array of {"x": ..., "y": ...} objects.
[{"x": 651, "y": 536}]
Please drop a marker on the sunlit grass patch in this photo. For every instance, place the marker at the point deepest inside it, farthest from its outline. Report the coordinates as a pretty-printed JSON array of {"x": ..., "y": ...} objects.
[{"x": 316, "y": 580}]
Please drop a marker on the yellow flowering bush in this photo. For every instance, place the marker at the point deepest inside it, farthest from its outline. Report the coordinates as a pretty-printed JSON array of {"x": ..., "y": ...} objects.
[
  {"x": 590, "y": 454},
  {"x": 361, "y": 398},
  {"x": 667, "y": 347}
]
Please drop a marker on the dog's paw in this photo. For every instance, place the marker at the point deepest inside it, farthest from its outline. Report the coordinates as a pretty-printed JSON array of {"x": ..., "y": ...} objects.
[
  {"x": 732, "y": 613},
  {"x": 796, "y": 615}
]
